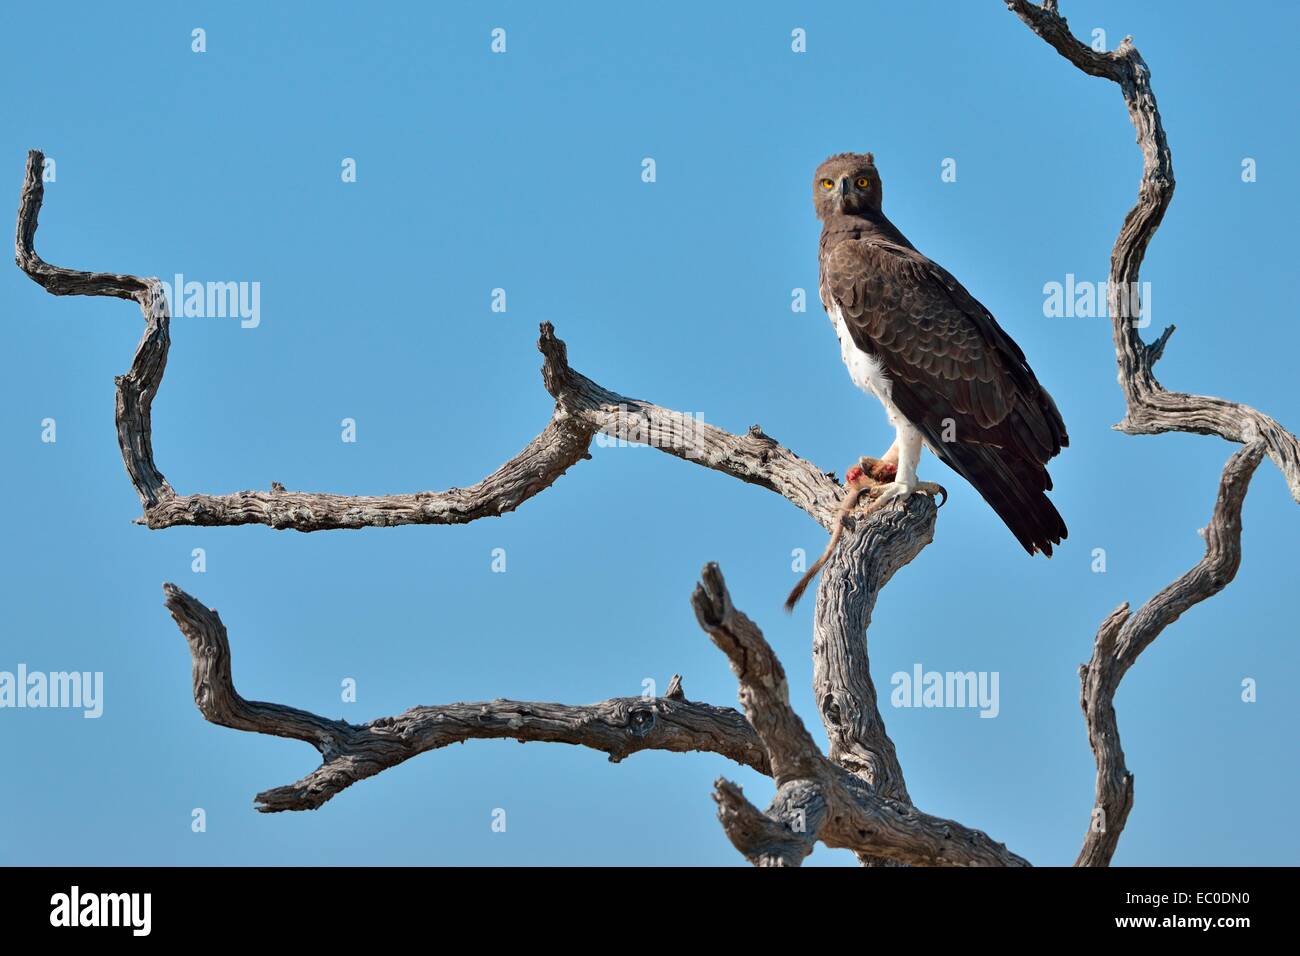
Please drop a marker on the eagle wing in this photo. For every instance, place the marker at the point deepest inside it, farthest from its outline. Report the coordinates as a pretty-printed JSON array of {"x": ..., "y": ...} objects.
[{"x": 954, "y": 374}]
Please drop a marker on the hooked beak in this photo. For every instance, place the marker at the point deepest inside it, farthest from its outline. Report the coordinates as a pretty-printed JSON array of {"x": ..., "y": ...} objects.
[{"x": 844, "y": 187}]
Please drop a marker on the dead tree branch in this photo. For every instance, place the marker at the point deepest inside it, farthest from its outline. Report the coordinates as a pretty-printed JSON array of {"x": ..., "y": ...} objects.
[
  {"x": 1123, "y": 636},
  {"x": 869, "y": 555},
  {"x": 582, "y": 410},
  {"x": 1151, "y": 409},
  {"x": 876, "y": 547},
  {"x": 351, "y": 752},
  {"x": 816, "y": 799},
  {"x": 854, "y": 798}
]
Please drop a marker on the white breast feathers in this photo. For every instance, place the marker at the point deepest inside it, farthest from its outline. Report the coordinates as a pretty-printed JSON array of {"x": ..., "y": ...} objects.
[{"x": 864, "y": 369}]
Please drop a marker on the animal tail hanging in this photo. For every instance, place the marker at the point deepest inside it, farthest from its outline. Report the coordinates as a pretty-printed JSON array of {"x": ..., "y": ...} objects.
[{"x": 858, "y": 484}]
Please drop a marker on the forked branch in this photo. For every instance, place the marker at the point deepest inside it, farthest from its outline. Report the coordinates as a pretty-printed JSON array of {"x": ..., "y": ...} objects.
[
  {"x": 1123, "y": 636},
  {"x": 1152, "y": 409},
  {"x": 856, "y": 797},
  {"x": 582, "y": 410},
  {"x": 619, "y": 727},
  {"x": 874, "y": 549},
  {"x": 816, "y": 799}
]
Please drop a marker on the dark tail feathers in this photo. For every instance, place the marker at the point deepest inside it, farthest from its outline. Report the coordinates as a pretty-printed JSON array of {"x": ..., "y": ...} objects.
[{"x": 1015, "y": 488}]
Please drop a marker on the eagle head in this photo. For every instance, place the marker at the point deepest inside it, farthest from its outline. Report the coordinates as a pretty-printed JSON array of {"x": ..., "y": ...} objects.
[{"x": 846, "y": 184}]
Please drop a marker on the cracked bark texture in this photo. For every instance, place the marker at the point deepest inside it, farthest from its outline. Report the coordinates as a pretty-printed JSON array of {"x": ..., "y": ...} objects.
[
  {"x": 816, "y": 799},
  {"x": 869, "y": 554},
  {"x": 1123, "y": 636},
  {"x": 350, "y": 752},
  {"x": 1152, "y": 409},
  {"x": 856, "y": 796},
  {"x": 875, "y": 548},
  {"x": 582, "y": 409}
]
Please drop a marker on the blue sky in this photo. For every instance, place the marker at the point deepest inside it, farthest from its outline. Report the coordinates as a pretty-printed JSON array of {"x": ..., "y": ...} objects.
[{"x": 522, "y": 171}]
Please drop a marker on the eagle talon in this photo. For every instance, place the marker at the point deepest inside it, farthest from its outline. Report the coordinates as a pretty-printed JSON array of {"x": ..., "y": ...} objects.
[
  {"x": 882, "y": 493},
  {"x": 933, "y": 490}
]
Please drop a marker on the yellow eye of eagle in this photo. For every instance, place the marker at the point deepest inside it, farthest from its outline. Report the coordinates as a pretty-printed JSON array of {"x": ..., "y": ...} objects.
[
  {"x": 828, "y": 184},
  {"x": 862, "y": 182}
]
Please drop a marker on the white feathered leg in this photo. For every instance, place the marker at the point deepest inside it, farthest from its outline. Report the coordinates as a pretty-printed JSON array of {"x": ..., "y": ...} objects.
[{"x": 908, "y": 444}]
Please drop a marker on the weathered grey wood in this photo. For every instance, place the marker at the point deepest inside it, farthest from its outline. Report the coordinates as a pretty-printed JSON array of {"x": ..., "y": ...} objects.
[
  {"x": 1123, "y": 636},
  {"x": 817, "y": 799},
  {"x": 619, "y": 727},
  {"x": 1152, "y": 409},
  {"x": 135, "y": 389},
  {"x": 870, "y": 552},
  {"x": 582, "y": 408},
  {"x": 858, "y": 797}
]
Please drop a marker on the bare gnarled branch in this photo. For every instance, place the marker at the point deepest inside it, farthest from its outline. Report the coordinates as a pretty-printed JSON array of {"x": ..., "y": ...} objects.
[
  {"x": 869, "y": 555},
  {"x": 1152, "y": 409},
  {"x": 619, "y": 727},
  {"x": 816, "y": 799},
  {"x": 856, "y": 797},
  {"x": 1123, "y": 636},
  {"x": 582, "y": 409}
]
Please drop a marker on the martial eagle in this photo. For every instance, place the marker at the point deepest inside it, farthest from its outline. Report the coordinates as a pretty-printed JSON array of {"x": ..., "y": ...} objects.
[{"x": 948, "y": 375}]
